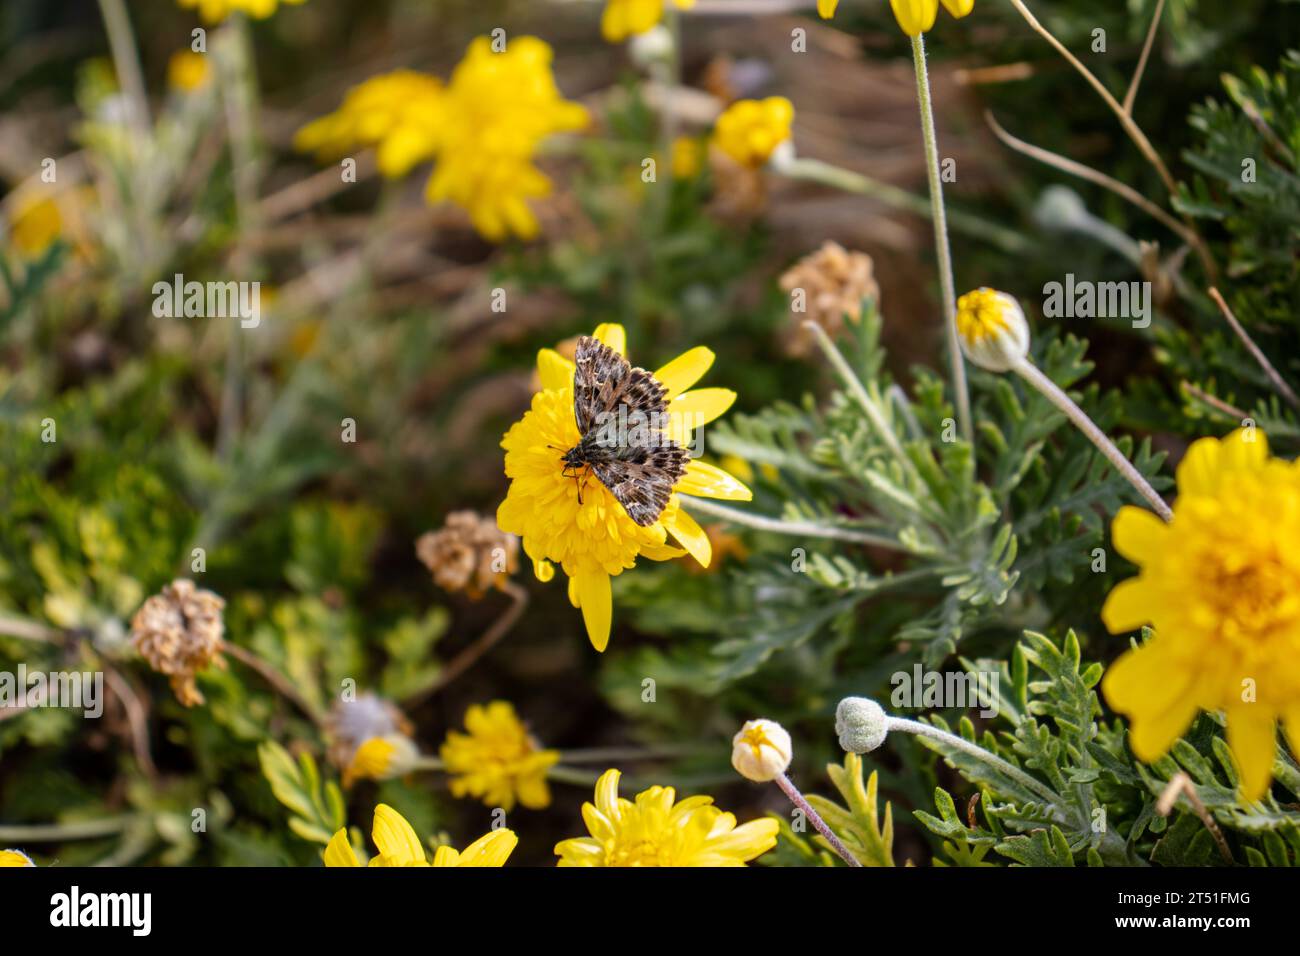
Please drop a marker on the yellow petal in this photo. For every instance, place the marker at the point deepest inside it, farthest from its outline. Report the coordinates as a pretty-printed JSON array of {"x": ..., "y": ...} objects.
[
  {"x": 661, "y": 552},
  {"x": 596, "y": 601},
  {"x": 1291, "y": 721},
  {"x": 1138, "y": 534},
  {"x": 544, "y": 570},
  {"x": 1154, "y": 695},
  {"x": 446, "y": 856},
  {"x": 1252, "y": 736},
  {"x": 915, "y": 16},
  {"x": 699, "y": 407},
  {"x": 554, "y": 370},
  {"x": 613, "y": 335},
  {"x": 826, "y": 8},
  {"x": 607, "y": 795},
  {"x": 339, "y": 851},
  {"x": 1127, "y": 607},
  {"x": 692, "y": 537},
  {"x": 959, "y": 8},
  {"x": 395, "y": 837},
  {"x": 492, "y": 849},
  {"x": 706, "y": 481},
  {"x": 1208, "y": 460},
  {"x": 685, "y": 370}
]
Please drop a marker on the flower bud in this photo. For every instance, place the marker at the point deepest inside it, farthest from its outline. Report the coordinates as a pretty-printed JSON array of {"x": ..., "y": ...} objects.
[
  {"x": 652, "y": 47},
  {"x": 382, "y": 758},
  {"x": 761, "y": 751},
  {"x": 749, "y": 131},
  {"x": 861, "y": 724},
  {"x": 992, "y": 329}
]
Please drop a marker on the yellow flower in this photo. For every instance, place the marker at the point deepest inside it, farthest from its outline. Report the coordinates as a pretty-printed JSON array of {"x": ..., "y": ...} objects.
[
  {"x": 34, "y": 224},
  {"x": 498, "y": 761},
  {"x": 399, "y": 113},
  {"x": 498, "y": 109},
  {"x": 399, "y": 846},
  {"x": 382, "y": 758},
  {"x": 749, "y": 131},
  {"x": 214, "y": 11},
  {"x": 657, "y": 831},
  {"x": 14, "y": 858},
  {"x": 687, "y": 157},
  {"x": 595, "y": 539},
  {"x": 992, "y": 329},
  {"x": 1220, "y": 585},
  {"x": 187, "y": 71},
  {"x": 914, "y": 16},
  {"x": 625, "y": 18}
]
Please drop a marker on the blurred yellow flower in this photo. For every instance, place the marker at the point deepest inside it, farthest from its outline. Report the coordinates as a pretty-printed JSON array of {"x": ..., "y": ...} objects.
[
  {"x": 626, "y": 18},
  {"x": 498, "y": 761},
  {"x": 214, "y": 11},
  {"x": 381, "y": 758},
  {"x": 595, "y": 539},
  {"x": 482, "y": 129},
  {"x": 687, "y": 157},
  {"x": 399, "y": 846},
  {"x": 499, "y": 107},
  {"x": 14, "y": 858},
  {"x": 1220, "y": 585},
  {"x": 188, "y": 72},
  {"x": 657, "y": 830},
  {"x": 399, "y": 113},
  {"x": 750, "y": 130},
  {"x": 914, "y": 16},
  {"x": 34, "y": 224}
]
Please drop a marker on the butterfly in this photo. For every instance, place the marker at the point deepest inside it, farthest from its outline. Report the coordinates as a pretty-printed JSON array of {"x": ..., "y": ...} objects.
[{"x": 621, "y": 411}]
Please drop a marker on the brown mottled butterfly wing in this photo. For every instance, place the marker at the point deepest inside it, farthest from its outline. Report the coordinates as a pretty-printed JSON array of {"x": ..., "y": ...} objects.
[{"x": 641, "y": 475}]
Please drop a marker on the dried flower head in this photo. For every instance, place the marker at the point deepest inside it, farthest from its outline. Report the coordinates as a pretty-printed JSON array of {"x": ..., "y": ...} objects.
[
  {"x": 831, "y": 284},
  {"x": 352, "y": 723},
  {"x": 179, "y": 632},
  {"x": 469, "y": 553}
]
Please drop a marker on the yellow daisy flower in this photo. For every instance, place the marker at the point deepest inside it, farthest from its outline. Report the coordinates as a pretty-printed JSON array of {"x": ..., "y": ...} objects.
[
  {"x": 188, "y": 72},
  {"x": 914, "y": 16},
  {"x": 498, "y": 761},
  {"x": 381, "y": 758},
  {"x": 35, "y": 222},
  {"x": 657, "y": 830},
  {"x": 1220, "y": 585},
  {"x": 627, "y": 18},
  {"x": 399, "y": 846},
  {"x": 498, "y": 109},
  {"x": 14, "y": 858},
  {"x": 595, "y": 539},
  {"x": 749, "y": 131},
  {"x": 399, "y": 113},
  {"x": 214, "y": 11}
]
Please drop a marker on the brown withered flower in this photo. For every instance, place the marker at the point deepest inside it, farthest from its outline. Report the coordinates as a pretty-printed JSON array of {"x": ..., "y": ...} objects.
[
  {"x": 179, "y": 632},
  {"x": 834, "y": 281},
  {"x": 469, "y": 553}
]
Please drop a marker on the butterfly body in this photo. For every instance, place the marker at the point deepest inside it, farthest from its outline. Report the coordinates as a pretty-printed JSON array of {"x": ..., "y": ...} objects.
[{"x": 621, "y": 412}]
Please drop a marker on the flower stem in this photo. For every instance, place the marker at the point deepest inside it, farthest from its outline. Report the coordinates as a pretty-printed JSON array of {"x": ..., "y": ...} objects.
[
  {"x": 126, "y": 60},
  {"x": 489, "y": 639},
  {"x": 816, "y": 171},
  {"x": 947, "y": 287},
  {"x": 1053, "y": 393},
  {"x": 807, "y": 529},
  {"x": 790, "y": 790},
  {"x": 974, "y": 750},
  {"x": 273, "y": 677}
]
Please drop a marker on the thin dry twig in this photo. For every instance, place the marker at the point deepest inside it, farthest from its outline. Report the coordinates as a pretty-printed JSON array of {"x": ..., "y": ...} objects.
[
  {"x": 1212, "y": 401},
  {"x": 136, "y": 719},
  {"x": 1131, "y": 95},
  {"x": 1066, "y": 165},
  {"x": 1181, "y": 784},
  {"x": 273, "y": 677},
  {"x": 1276, "y": 379},
  {"x": 486, "y": 641}
]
